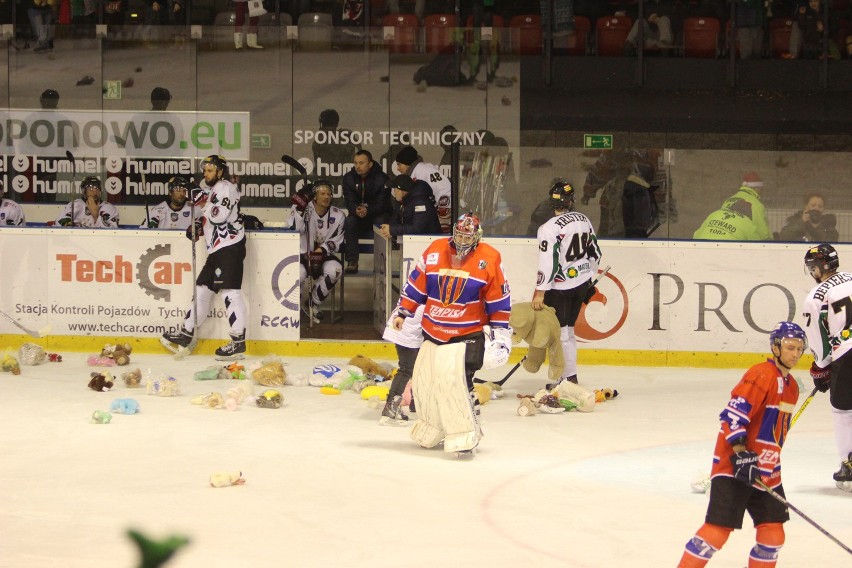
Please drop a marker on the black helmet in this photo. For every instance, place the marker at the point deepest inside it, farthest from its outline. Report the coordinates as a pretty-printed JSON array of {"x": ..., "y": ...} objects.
[
  {"x": 178, "y": 182},
  {"x": 822, "y": 256},
  {"x": 219, "y": 161},
  {"x": 561, "y": 195},
  {"x": 89, "y": 183}
]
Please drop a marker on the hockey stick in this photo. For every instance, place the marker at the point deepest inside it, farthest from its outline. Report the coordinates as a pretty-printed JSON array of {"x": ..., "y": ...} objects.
[
  {"x": 294, "y": 163},
  {"x": 813, "y": 523},
  {"x": 70, "y": 157},
  {"x": 804, "y": 406},
  {"x": 145, "y": 195},
  {"x": 183, "y": 352},
  {"x": 32, "y": 333},
  {"x": 518, "y": 364}
]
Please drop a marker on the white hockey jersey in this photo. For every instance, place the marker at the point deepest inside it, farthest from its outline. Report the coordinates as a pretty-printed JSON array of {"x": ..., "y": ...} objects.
[
  {"x": 323, "y": 231},
  {"x": 569, "y": 254},
  {"x": 828, "y": 312},
  {"x": 11, "y": 214},
  {"x": 161, "y": 216},
  {"x": 441, "y": 187},
  {"x": 107, "y": 215},
  {"x": 222, "y": 224}
]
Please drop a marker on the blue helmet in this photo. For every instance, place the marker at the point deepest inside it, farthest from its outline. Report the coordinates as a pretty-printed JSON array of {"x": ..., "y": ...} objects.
[{"x": 786, "y": 329}]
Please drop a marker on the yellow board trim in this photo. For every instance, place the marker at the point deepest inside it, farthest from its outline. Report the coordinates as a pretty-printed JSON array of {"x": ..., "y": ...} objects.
[{"x": 386, "y": 350}]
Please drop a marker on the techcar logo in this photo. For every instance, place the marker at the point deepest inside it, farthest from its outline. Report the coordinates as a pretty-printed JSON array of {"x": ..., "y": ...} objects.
[
  {"x": 594, "y": 324},
  {"x": 153, "y": 275}
]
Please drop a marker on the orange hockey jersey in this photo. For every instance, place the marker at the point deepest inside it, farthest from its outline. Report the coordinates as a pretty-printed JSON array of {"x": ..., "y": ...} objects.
[
  {"x": 760, "y": 409},
  {"x": 459, "y": 300}
]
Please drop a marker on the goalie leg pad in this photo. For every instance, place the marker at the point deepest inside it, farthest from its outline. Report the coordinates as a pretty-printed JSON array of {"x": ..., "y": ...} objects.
[
  {"x": 427, "y": 430},
  {"x": 452, "y": 398}
]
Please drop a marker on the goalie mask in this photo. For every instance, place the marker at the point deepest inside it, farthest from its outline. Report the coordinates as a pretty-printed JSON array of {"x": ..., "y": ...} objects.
[
  {"x": 466, "y": 234},
  {"x": 91, "y": 183},
  {"x": 561, "y": 196}
]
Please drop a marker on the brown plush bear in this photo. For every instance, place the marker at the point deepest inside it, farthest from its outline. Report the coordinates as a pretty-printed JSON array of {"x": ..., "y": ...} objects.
[
  {"x": 119, "y": 353},
  {"x": 369, "y": 366},
  {"x": 540, "y": 329},
  {"x": 101, "y": 382}
]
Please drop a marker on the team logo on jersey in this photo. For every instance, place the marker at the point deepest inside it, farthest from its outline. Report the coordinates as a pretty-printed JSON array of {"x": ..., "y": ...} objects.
[
  {"x": 451, "y": 284},
  {"x": 572, "y": 273},
  {"x": 432, "y": 258},
  {"x": 175, "y": 217},
  {"x": 482, "y": 264}
]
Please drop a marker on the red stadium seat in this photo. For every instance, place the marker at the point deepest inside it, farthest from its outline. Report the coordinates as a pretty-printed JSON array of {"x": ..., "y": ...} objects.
[
  {"x": 779, "y": 36},
  {"x": 439, "y": 32},
  {"x": 611, "y": 33},
  {"x": 406, "y": 28},
  {"x": 701, "y": 37},
  {"x": 526, "y": 34}
]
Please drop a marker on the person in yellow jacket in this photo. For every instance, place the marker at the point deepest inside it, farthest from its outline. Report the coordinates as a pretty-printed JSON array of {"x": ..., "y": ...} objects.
[{"x": 742, "y": 217}]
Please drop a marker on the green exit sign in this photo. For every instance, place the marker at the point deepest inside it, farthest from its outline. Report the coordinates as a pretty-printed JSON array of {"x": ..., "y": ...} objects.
[
  {"x": 261, "y": 141},
  {"x": 601, "y": 141}
]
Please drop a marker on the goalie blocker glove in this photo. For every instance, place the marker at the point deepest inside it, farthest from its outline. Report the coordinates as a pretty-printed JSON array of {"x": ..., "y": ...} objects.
[
  {"x": 821, "y": 377},
  {"x": 498, "y": 347},
  {"x": 302, "y": 197}
]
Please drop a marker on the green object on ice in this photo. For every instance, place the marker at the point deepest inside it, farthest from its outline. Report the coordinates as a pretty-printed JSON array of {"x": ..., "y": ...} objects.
[
  {"x": 156, "y": 552},
  {"x": 567, "y": 404}
]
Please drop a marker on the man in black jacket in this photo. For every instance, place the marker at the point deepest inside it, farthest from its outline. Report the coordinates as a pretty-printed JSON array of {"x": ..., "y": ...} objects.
[
  {"x": 367, "y": 201},
  {"x": 416, "y": 214}
]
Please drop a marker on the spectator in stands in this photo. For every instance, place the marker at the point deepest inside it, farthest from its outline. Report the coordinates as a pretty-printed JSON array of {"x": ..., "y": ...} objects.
[
  {"x": 43, "y": 22},
  {"x": 742, "y": 217},
  {"x": 806, "y": 34},
  {"x": 408, "y": 161},
  {"x": 367, "y": 201},
  {"x": 811, "y": 224},
  {"x": 332, "y": 152},
  {"x": 240, "y": 12},
  {"x": 419, "y": 8},
  {"x": 656, "y": 28},
  {"x": 638, "y": 203},
  {"x": 416, "y": 213},
  {"x": 750, "y": 21},
  {"x": 156, "y": 14},
  {"x": 49, "y": 99},
  {"x": 160, "y": 98},
  {"x": 11, "y": 214}
]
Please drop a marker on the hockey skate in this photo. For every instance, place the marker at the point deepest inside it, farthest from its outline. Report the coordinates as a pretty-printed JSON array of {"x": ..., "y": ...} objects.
[
  {"x": 233, "y": 350},
  {"x": 174, "y": 341},
  {"x": 843, "y": 476},
  {"x": 466, "y": 454},
  {"x": 392, "y": 414},
  {"x": 312, "y": 312},
  {"x": 571, "y": 379}
]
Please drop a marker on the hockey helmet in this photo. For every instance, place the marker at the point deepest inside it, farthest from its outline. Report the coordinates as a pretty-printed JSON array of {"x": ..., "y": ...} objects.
[
  {"x": 178, "y": 182},
  {"x": 822, "y": 256},
  {"x": 219, "y": 161},
  {"x": 561, "y": 195},
  {"x": 787, "y": 330},
  {"x": 467, "y": 233},
  {"x": 91, "y": 182}
]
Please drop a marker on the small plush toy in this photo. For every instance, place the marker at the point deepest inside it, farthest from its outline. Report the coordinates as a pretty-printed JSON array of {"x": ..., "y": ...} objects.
[
  {"x": 31, "y": 354},
  {"x": 155, "y": 553},
  {"x": 10, "y": 365},
  {"x": 132, "y": 379},
  {"x": 212, "y": 400},
  {"x": 270, "y": 374},
  {"x": 163, "y": 386},
  {"x": 483, "y": 392},
  {"x": 540, "y": 329},
  {"x": 226, "y": 479},
  {"x": 54, "y": 357},
  {"x": 100, "y": 417},
  {"x": 100, "y": 382},
  {"x": 212, "y": 373},
  {"x": 124, "y": 406},
  {"x": 120, "y": 353},
  {"x": 237, "y": 371},
  {"x": 526, "y": 407},
  {"x": 270, "y": 398},
  {"x": 602, "y": 395},
  {"x": 370, "y": 367}
]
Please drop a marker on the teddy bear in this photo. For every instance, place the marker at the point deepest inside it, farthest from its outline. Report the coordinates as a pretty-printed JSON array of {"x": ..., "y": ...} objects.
[
  {"x": 540, "y": 329},
  {"x": 120, "y": 353},
  {"x": 124, "y": 406},
  {"x": 370, "y": 368},
  {"x": 100, "y": 382}
]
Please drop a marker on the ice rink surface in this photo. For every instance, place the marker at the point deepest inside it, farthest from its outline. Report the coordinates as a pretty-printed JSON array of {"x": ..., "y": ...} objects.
[{"x": 327, "y": 486}]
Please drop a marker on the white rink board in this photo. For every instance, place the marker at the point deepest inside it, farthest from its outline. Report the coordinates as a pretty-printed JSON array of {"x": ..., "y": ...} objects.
[
  {"x": 133, "y": 283},
  {"x": 697, "y": 296}
]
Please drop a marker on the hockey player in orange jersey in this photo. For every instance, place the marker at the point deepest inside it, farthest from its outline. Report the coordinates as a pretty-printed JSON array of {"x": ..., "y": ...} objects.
[
  {"x": 460, "y": 281},
  {"x": 754, "y": 427}
]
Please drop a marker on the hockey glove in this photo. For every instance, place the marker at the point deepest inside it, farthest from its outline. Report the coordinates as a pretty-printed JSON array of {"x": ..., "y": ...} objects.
[
  {"x": 745, "y": 466},
  {"x": 589, "y": 293},
  {"x": 302, "y": 197},
  {"x": 498, "y": 347},
  {"x": 199, "y": 230},
  {"x": 821, "y": 377},
  {"x": 198, "y": 196}
]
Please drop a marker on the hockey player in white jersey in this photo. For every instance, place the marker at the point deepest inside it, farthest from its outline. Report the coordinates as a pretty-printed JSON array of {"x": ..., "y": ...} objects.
[
  {"x": 219, "y": 225},
  {"x": 11, "y": 214},
  {"x": 89, "y": 210},
  {"x": 408, "y": 161},
  {"x": 321, "y": 227},
  {"x": 828, "y": 325},
  {"x": 174, "y": 212},
  {"x": 568, "y": 260}
]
